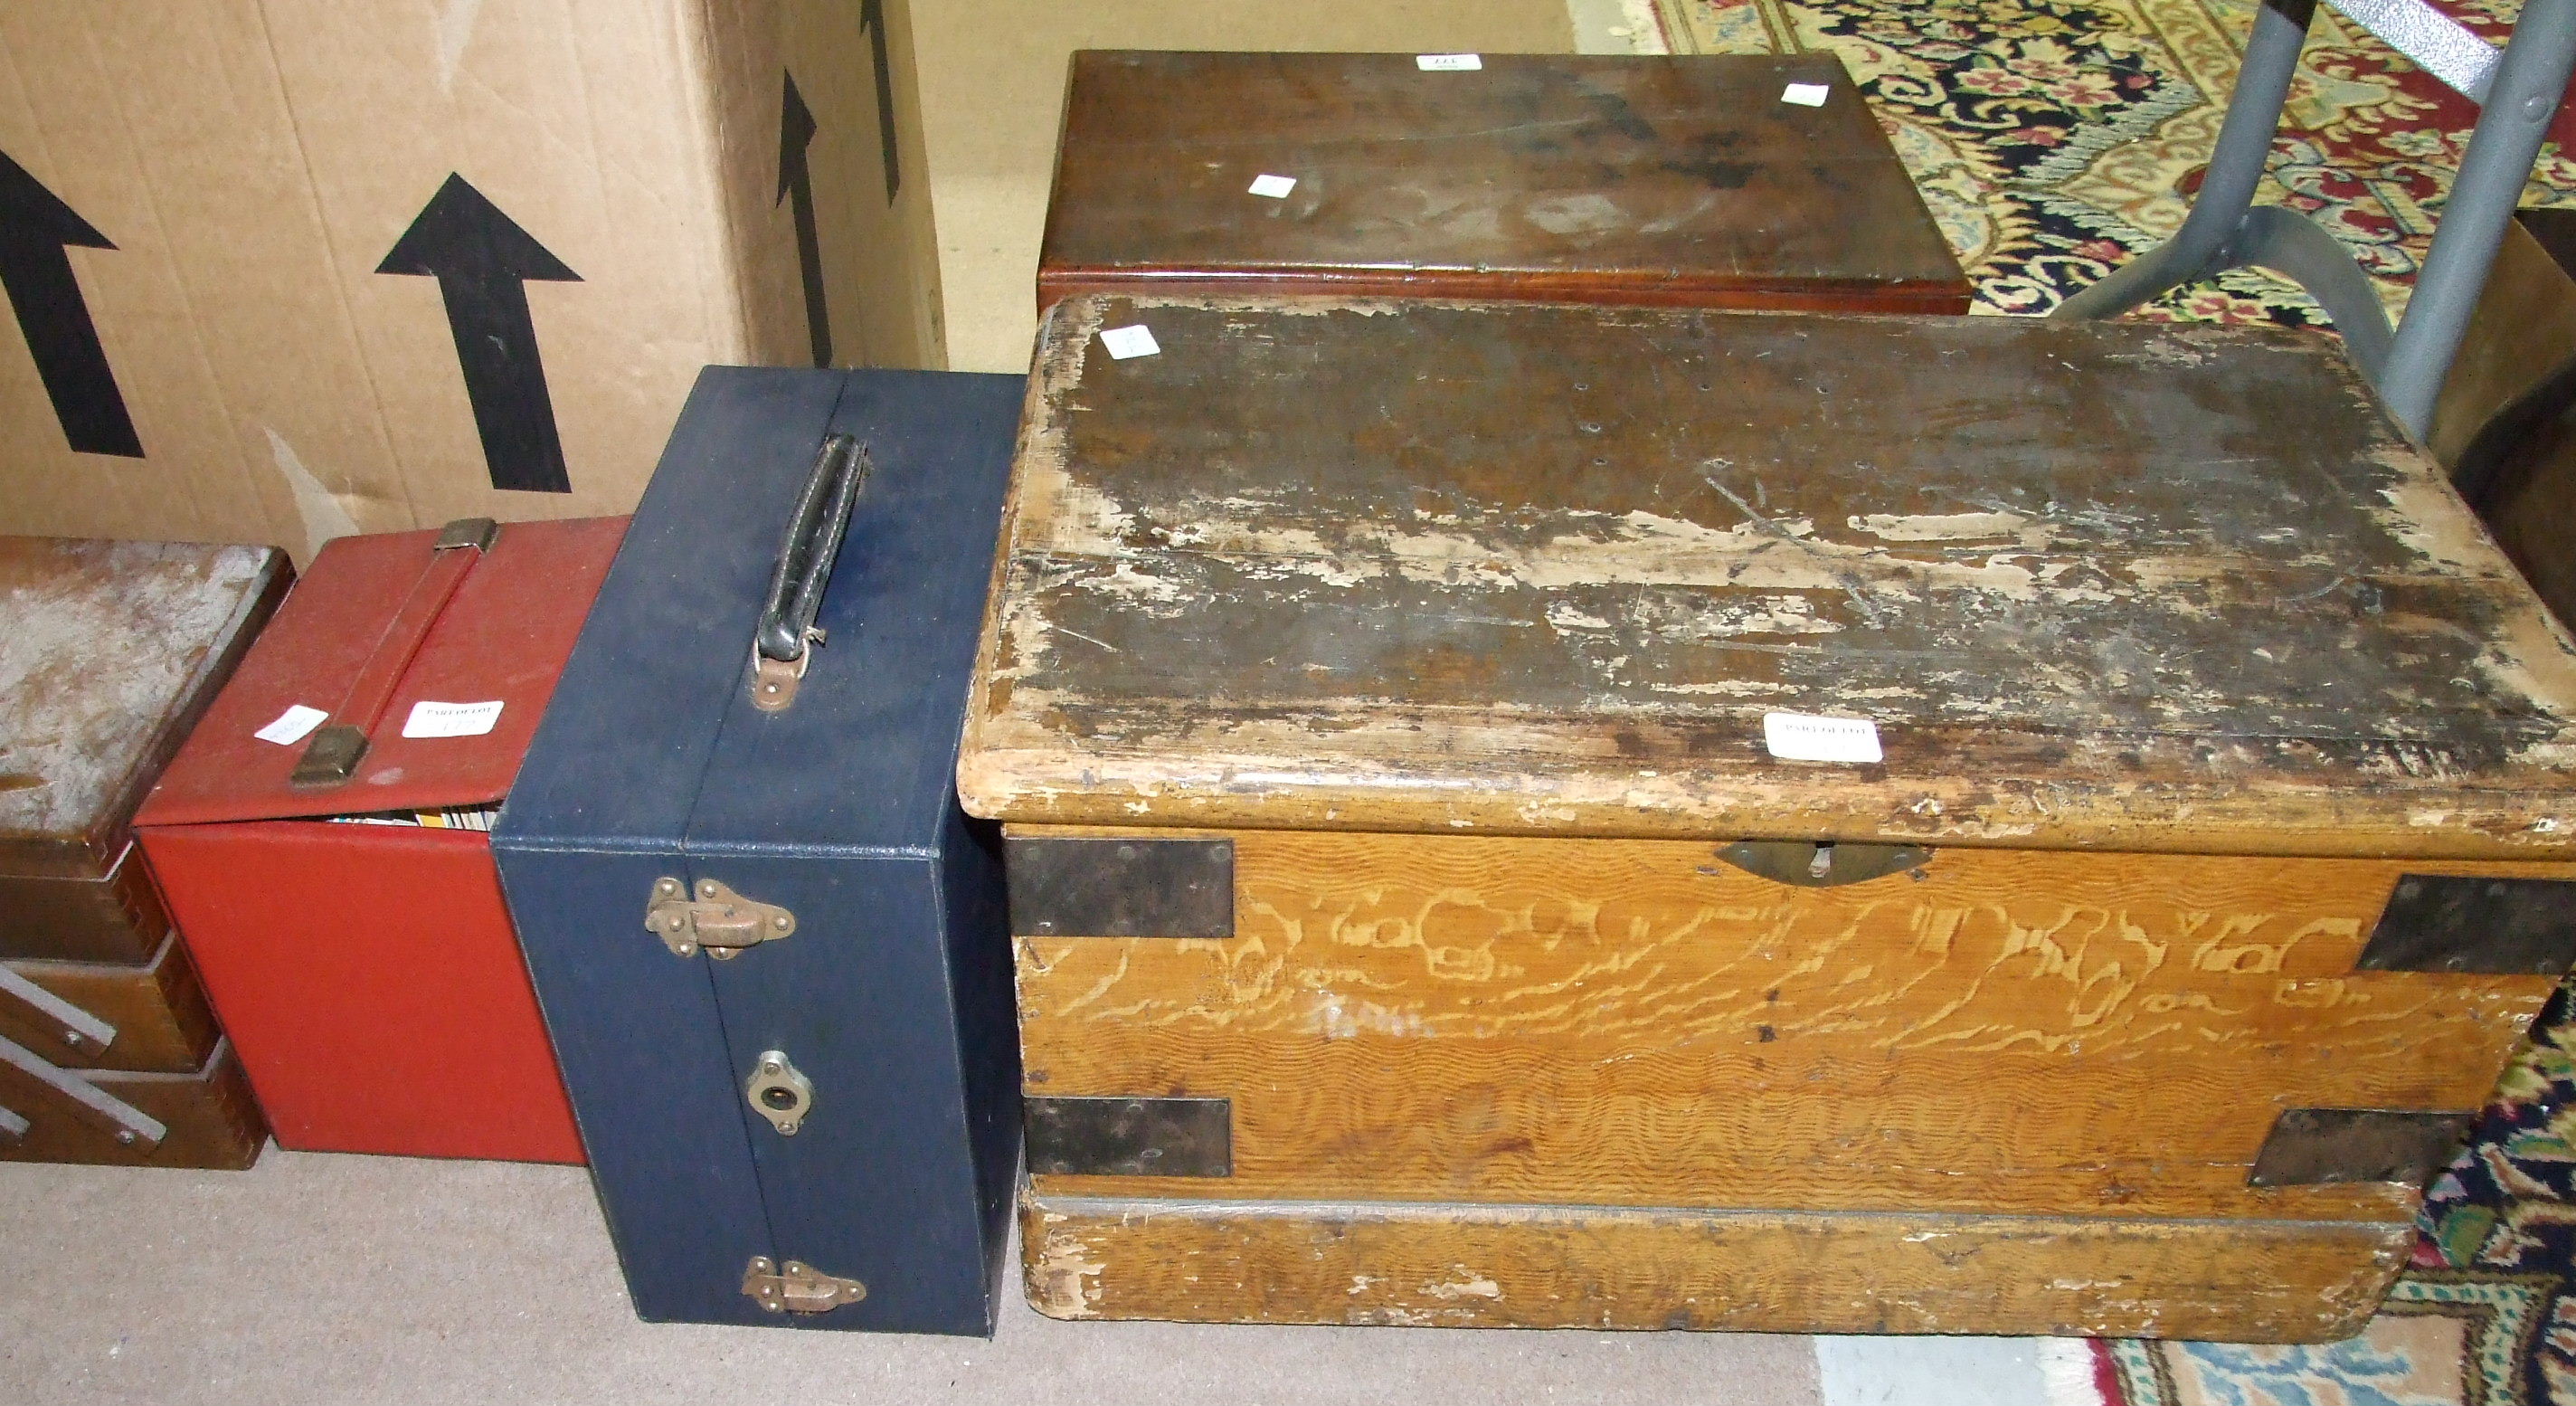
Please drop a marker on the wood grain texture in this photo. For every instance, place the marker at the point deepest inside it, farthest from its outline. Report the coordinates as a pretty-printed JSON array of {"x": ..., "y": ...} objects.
[
  {"x": 1540, "y": 569},
  {"x": 1757, "y": 1271},
  {"x": 1672, "y": 180},
  {"x": 53, "y": 917},
  {"x": 1472, "y": 1018},
  {"x": 109, "y": 652},
  {"x": 213, "y": 1120},
  {"x": 162, "y": 1022}
]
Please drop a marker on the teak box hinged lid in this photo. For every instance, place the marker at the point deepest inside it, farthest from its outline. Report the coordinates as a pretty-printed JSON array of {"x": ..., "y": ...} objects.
[
  {"x": 108, "y": 652},
  {"x": 1545, "y": 570},
  {"x": 1590, "y": 178}
]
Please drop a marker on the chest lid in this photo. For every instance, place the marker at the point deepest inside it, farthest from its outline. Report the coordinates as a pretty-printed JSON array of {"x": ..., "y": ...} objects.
[
  {"x": 384, "y": 638},
  {"x": 108, "y": 651},
  {"x": 1547, "y": 569},
  {"x": 1689, "y": 173}
]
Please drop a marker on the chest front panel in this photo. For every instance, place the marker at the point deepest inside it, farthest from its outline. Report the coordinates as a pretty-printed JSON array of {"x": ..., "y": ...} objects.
[{"x": 1462, "y": 1018}]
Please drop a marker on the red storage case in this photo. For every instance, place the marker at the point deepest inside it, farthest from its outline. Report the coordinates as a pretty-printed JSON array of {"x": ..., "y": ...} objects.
[{"x": 337, "y": 890}]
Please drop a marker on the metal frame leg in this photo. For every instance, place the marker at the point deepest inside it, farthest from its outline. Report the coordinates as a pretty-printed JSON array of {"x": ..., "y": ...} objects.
[
  {"x": 2527, "y": 89},
  {"x": 2224, "y": 230},
  {"x": 2288, "y": 242},
  {"x": 2227, "y": 188}
]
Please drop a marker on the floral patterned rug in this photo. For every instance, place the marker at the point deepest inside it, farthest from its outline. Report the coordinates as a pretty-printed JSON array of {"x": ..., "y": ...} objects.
[{"x": 2054, "y": 139}]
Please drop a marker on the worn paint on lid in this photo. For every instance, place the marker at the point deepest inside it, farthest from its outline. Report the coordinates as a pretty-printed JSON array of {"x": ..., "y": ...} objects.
[
  {"x": 107, "y": 652},
  {"x": 1544, "y": 569}
]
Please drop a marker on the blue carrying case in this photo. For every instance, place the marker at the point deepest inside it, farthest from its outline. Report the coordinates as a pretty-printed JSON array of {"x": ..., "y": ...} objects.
[{"x": 770, "y": 948}]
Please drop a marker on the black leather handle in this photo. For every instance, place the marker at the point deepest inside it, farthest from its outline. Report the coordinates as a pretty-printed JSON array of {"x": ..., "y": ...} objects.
[{"x": 813, "y": 540}]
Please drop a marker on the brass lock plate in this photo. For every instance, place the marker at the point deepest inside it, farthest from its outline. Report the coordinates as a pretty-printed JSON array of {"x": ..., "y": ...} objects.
[
  {"x": 798, "y": 1287},
  {"x": 1822, "y": 865},
  {"x": 779, "y": 1093},
  {"x": 715, "y": 918}
]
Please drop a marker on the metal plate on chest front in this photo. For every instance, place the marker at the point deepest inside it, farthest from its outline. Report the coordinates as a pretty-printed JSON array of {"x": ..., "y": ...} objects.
[{"x": 2109, "y": 973}]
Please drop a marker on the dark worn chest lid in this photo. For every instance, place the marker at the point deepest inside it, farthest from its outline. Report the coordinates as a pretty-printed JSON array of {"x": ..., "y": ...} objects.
[
  {"x": 1687, "y": 174},
  {"x": 108, "y": 652},
  {"x": 1548, "y": 569}
]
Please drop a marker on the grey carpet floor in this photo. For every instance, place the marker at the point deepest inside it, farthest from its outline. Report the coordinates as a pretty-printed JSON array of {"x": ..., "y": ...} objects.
[{"x": 358, "y": 1280}]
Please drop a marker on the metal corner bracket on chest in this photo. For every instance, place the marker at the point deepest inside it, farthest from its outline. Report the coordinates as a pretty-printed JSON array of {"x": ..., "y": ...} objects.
[{"x": 2472, "y": 925}]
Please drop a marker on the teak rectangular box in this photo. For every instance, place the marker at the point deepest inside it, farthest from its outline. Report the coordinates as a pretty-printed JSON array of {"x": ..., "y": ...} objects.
[
  {"x": 1547, "y": 177},
  {"x": 283, "y": 270},
  {"x": 109, "y": 651},
  {"x": 770, "y": 947},
  {"x": 1423, "y": 916},
  {"x": 337, "y": 887}
]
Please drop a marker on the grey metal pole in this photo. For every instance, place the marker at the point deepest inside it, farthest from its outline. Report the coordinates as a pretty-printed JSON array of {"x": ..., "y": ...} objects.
[
  {"x": 2235, "y": 169},
  {"x": 2528, "y": 86}
]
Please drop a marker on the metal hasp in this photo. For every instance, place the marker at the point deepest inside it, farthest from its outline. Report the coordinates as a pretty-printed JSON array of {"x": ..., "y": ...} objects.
[
  {"x": 718, "y": 919},
  {"x": 2495, "y": 927},
  {"x": 2318, "y": 1146},
  {"x": 779, "y": 1093},
  {"x": 798, "y": 1288},
  {"x": 1119, "y": 887},
  {"x": 2520, "y": 91},
  {"x": 1130, "y": 1137},
  {"x": 1824, "y": 864}
]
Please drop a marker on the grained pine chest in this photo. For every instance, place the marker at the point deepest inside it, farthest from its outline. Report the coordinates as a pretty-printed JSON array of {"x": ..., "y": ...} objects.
[{"x": 1555, "y": 816}]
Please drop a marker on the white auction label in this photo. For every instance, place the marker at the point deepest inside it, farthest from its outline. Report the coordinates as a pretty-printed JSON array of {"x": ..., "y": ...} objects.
[
  {"x": 1449, "y": 63},
  {"x": 292, "y": 726},
  {"x": 1805, "y": 737},
  {"x": 1805, "y": 94},
  {"x": 1124, "y": 342},
  {"x": 451, "y": 719},
  {"x": 1276, "y": 187}
]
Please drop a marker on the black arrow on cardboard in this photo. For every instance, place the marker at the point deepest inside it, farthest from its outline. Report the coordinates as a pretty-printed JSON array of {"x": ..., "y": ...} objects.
[
  {"x": 483, "y": 263},
  {"x": 36, "y": 231},
  {"x": 872, "y": 22},
  {"x": 796, "y": 180}
]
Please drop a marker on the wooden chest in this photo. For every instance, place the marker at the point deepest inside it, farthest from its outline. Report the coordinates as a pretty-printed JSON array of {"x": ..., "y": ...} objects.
[
  {"x": 109, "y": 651},
  {"x": 1552, "y": 816},
  {"x": 1682, "y": 180}
]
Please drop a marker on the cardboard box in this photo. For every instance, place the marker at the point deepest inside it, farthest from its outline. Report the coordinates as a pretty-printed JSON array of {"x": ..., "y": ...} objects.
[{"x": 287, "y": 269}]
